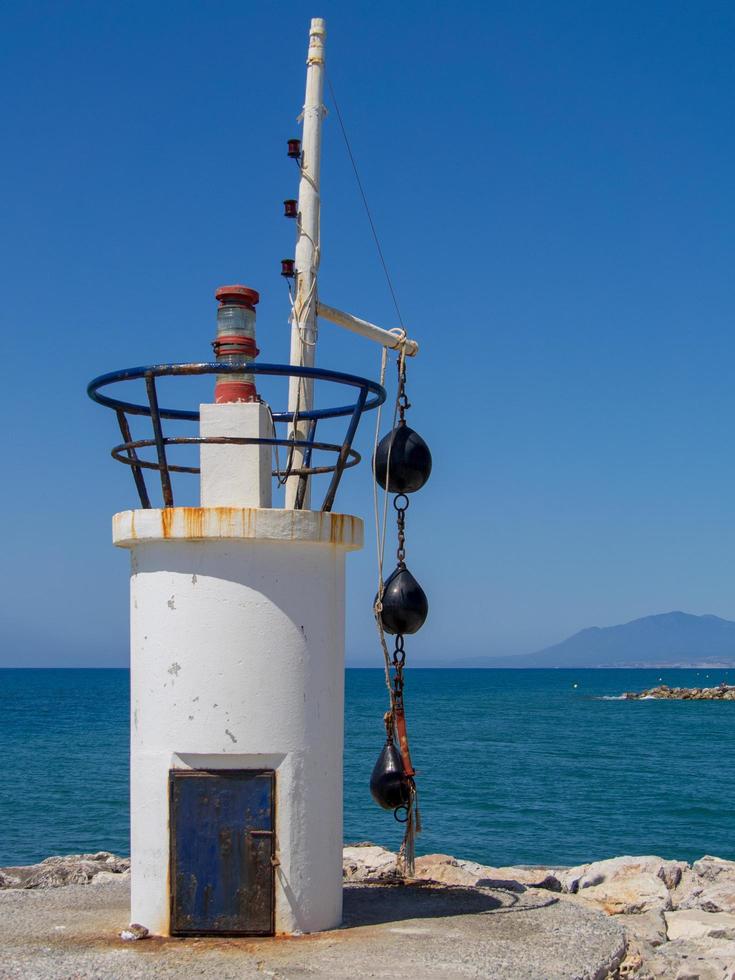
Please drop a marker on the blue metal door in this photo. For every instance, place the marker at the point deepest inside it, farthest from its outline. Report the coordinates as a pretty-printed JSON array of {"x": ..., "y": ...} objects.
[{"x": 222, "y": 851}]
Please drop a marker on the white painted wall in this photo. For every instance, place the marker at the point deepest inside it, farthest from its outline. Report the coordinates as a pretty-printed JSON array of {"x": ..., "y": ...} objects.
[
  {"x": 237, "y": 661},
  {"x": 232, "y": 475}
]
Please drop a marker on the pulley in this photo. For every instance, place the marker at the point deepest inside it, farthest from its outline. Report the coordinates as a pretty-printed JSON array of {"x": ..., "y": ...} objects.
[
  {"x": 403, "y": 459},
  {"x": 404, "y": 604},
  {"x": 388, "y": 783}
]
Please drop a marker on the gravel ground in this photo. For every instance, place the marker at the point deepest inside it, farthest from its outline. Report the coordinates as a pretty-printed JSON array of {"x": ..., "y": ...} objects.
[{"x": 71, "y": 933}]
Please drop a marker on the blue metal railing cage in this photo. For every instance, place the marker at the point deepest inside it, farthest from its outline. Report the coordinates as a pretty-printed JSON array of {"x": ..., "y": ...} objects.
[{"x": 370, "y": 395}]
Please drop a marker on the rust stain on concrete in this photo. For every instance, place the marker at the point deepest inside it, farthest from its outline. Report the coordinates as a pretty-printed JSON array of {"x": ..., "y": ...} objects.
[{"x": 167, "y": 520}]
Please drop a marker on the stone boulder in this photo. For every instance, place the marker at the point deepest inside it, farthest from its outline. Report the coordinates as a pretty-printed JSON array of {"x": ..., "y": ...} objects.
[
  {"x": 71, "y": 869},
  {"x": 690, "y": 959},
  {"x": 696, "y": 893},
  {"x": 448, "y": 870},
  {"x": 367, "y": 862},
  {"x": 708, "y": 885},
  {"x": 696, "y": 924},
  {"x": 453, "y": 871},
  {"x": 713, "y": 868},
  {"x": 105, "y": 877},
  {"x": 527, "y": 876},
  {"x": 625, "y": 885},
  {"x": 645, "y": 928}
]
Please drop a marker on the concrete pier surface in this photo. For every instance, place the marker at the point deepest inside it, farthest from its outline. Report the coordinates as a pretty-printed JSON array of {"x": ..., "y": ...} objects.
[{"x": 417, "y": 930}]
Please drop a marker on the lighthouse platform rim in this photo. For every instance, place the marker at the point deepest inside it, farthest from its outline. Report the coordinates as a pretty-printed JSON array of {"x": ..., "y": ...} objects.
[
  {"x": 215, "y": 367},
  {"x": 131, "y": 528}
]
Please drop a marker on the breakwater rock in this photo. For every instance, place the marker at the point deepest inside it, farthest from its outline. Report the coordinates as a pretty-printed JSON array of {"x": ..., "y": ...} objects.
[
  {"x": 679, "y": 918},
  {"x": 71, "y": 869},
  {"x": 675, "y": 920},
  {"x": 723, "y": 692}
]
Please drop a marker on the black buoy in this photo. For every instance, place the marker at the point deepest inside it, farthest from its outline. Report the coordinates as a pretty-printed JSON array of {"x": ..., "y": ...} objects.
[
  {"x": 388, "y": 783},
  {"x": 405, "y": 606},
  {"x": 410, "y": 460}
]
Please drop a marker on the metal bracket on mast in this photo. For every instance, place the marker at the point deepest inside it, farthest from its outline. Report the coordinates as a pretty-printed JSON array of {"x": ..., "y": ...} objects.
[{"x": 394, "y": 339}]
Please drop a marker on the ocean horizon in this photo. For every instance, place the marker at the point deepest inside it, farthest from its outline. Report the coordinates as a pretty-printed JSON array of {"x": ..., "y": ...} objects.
[{"x": 515, "y": 765}]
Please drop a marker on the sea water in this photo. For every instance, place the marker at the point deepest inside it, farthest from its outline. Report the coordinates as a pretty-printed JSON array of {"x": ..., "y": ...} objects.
[{"x": 515, "y": 766}]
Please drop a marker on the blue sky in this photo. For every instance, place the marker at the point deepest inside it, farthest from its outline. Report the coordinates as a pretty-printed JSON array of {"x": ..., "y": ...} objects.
[{"x": 552, "y": 183}]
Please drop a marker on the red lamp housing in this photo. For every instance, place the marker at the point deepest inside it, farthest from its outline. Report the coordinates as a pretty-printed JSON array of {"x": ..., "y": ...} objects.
[{"x": 235, "y": 342}]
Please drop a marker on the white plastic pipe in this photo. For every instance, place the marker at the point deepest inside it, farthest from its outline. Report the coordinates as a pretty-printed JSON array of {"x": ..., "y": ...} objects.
[
  {"x": 303, "y": 324},
  {"x": 387, "y": 338}
]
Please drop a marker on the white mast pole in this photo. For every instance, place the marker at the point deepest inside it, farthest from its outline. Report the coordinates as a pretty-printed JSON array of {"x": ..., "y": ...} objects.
[{"x": 303, "y": 320}]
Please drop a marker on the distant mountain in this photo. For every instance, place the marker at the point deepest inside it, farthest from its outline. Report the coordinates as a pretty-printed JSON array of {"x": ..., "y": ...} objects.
[{"x": 674, "y": 639}]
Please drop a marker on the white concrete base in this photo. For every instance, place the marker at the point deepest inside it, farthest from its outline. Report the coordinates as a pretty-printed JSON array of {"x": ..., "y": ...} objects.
[
  {"x": 232, "y": 475},
  {"x": 237, "y": 661}
]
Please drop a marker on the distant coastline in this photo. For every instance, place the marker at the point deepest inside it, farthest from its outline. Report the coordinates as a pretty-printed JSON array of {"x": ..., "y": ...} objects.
[{"x": 666, "y": 641}]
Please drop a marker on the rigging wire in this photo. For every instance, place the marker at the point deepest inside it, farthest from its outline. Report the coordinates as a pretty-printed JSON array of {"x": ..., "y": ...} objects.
[{"x": 364, "y": 200}]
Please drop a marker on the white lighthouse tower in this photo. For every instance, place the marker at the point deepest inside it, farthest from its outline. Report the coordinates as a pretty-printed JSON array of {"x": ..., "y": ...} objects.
[
  {"x": 237, "y": 648},
  {"x": 237, "y": 679},
  {"x": 237, "y": 622}
]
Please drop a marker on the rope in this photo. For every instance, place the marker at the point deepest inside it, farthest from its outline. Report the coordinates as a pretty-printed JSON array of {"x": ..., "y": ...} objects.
[
  {"x": 276, "y": 454},
  {"x": 380, "y": 543},
  {"x": 407, "y": 850},
  {"x": 306, "y": 308}
]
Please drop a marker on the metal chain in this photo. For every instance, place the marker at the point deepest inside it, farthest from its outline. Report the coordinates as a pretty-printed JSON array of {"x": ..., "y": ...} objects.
[
  {"x": 403, "y": 402},
  {"x": 395, "y": 719},
  {"x": 401, "y": 503}
]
